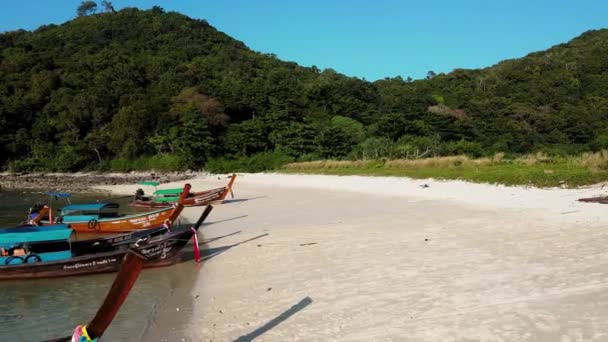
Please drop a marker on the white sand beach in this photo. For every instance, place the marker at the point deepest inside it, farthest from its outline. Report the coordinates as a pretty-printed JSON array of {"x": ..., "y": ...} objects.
[{"x": 328, "y": 258}]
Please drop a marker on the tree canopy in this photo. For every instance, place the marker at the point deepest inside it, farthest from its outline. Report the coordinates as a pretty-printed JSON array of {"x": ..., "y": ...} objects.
[
  {"x": 87, "y": 7},
  {"x": 142, "y": 83}
]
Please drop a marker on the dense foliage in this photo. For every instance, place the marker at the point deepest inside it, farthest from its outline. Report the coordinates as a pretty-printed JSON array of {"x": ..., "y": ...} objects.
[{"x": 138, "y": 89}]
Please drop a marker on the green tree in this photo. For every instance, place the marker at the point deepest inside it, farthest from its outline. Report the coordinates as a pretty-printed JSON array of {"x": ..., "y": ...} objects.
[
  {"x": 411, "y": 147},
  {"x": 144, "y": 84},
  {"x": 193, "y": 139},
  {"x": 247, "y": 137},
  {"x": 353, "y": 128},
  {"x": 129, "y": 129},
  {"x": 334, "y": 143},
  {"x": 191, "y": 100},
  {"x": 96, "y": 142},
  {"x": 86, "y": 8},
  {"x": 600, "y": 142},
  {"x": 296, "y": 140},
  {"x": 391, "y": 126},
  {"x": 375, "y": 148},
  {"x": 107, "y": 6}
]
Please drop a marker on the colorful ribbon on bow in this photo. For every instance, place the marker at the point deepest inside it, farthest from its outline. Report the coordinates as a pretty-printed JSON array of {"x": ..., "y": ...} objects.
[
  {"x": 81, "y": 335},
  {"x": 197, "y": 252}
]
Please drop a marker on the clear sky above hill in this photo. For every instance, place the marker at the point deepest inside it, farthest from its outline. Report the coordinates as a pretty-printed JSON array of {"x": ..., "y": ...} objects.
[{"x": 367, "y": 39}]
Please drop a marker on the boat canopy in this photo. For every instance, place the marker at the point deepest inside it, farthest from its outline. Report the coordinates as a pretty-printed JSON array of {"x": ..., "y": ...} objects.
[
  {"x": 8, "y": 239},
  {"x": 150, "y": 183},
  {"x": 166, "y": 199},
  {"x": 88, "y": 211},
  {"x": 59, "y": 194},
  {"x": 90, "y": 207},
  {"x": 176, "y": 191},
  {"x": 32, "y": 229}
]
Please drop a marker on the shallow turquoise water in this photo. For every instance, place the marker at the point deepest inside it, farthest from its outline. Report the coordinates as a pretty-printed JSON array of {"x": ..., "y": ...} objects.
[
  {"x": 36, "y": 310},
  {"x": 14, "y": 205}
]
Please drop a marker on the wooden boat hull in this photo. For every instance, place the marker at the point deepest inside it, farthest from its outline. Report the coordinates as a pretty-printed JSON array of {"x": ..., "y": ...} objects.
[
  {"x": 599, "y": 199},
  {"x": 126, "y": 223},
  {"x": 199, "y": 198},
  {"x": 193, "y": 199},
  {"x": 163, "y": 252}
]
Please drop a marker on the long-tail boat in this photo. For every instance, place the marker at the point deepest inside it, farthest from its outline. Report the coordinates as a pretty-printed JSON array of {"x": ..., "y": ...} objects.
[
  {"x": 122, "y": 285},
  {"x": 105, "y": 218},
  {"x": 598, "y": 199},
  {"x": 48, "y": 253},
  {"x": 167, "y": 197},
  {"x": 15, "y": 242}
]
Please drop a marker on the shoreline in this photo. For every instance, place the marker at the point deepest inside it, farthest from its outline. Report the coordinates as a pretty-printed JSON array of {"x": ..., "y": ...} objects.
[
  {"x": 86, "y": 181},
  {"x": 103, "y": 181},
  {"x": 300, "y": 257},
  {"x": 554, "y": 201}
]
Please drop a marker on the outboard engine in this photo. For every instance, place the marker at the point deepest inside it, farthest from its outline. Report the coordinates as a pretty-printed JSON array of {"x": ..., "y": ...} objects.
[
  {"x": 35, "y": 210},
  {"x": 139, "y": 194}
]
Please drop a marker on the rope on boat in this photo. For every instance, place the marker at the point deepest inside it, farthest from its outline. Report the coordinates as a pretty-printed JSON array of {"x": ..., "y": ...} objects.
[{"x": 143, "y": 240}]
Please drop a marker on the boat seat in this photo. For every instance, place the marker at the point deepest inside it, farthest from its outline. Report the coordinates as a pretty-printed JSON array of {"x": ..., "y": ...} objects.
[{"x": 16, "y": 250}]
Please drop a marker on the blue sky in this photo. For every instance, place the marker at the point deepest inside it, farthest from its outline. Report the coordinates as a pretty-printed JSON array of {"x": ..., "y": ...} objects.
[{"x": 368, "y": 39}]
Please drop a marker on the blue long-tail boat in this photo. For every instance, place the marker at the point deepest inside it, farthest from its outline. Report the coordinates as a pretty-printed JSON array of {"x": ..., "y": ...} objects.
[
  {"x": 28, "y": 244},
  {"x": 47, "y": 251}
]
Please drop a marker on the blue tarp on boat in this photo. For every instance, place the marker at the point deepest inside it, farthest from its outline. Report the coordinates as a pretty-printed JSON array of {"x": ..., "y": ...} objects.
[
  {"x": 88, "y": 211},
  {"x": 59, "y": 194},
  {"x": 44, "y": 257},
  {"x": 84, "y": 206},
  {"x": 32, "y": 229},
  {"x": 88, "y": 206},
  {"x": 10, "y": 239}
]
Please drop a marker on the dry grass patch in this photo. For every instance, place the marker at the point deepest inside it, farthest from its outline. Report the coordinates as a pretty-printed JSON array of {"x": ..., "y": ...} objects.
[
  {"x": 535, "y": 169},
  {"x": 594, "y": 161},
  {"x": 534, "y": 159},
  {"x": 327, "y": 164},
  {"x": 438, "y": 162}
]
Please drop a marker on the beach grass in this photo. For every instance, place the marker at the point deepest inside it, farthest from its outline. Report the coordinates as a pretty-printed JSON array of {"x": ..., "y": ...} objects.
[{"x": 538, "y": 169}]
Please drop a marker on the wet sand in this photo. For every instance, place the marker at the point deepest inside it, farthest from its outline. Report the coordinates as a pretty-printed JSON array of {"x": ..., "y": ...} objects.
[{"x": 326, "y": 258}]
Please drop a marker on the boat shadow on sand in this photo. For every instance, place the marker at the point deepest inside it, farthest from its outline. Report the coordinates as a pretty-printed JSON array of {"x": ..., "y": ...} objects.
[
  {"x": 276, "y": 321},
  {"x": 238, "y": 200},
  {"x": 209, "y": 253},
  {"x": 226, "y": 220}
]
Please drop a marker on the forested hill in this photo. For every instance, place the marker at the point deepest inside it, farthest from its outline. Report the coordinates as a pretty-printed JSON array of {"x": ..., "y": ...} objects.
[
  {"x": 556, "y": 100},
  {"x": 112, "y": 90}
]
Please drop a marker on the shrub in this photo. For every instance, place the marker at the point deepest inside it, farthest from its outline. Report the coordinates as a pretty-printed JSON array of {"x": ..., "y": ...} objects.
[
  {"x": 159, "y": 162},
  {"x": 120, "y": 165},
  {"x": 166, "y": 162},
  {"x": 410, "y": 147},
  {"x": 600, "y": 142},
  {"x": 594, "y": 161},
  {"x": 469, "y": 148},
  {"x": 23, "y": 165},
  {"x": 256, "y": 163},
  {"x": 374, "y": 148}
]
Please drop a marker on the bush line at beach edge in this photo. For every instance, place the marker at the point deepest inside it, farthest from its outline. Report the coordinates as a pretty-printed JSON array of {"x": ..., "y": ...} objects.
[{"x": 531, "y": 170}]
